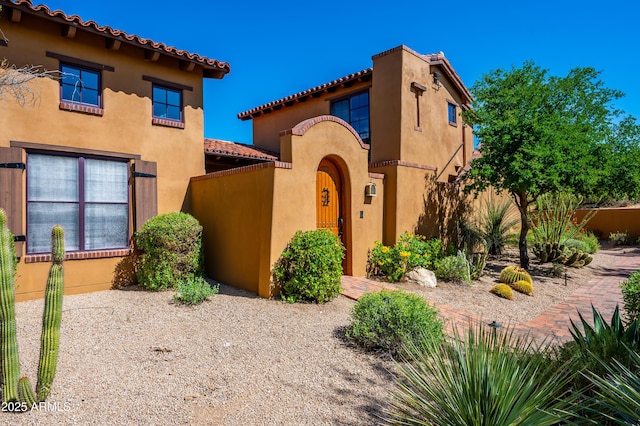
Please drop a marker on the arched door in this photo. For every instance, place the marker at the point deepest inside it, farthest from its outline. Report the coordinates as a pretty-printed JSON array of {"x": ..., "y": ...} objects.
[{"x": 329, "y": 208}]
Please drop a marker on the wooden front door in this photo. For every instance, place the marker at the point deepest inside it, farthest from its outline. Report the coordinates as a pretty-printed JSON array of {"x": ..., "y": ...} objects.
[{"x": 328, "y": 212}]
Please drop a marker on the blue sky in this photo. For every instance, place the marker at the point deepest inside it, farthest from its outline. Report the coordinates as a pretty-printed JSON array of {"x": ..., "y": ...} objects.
[{"x": 277, "y": 48}]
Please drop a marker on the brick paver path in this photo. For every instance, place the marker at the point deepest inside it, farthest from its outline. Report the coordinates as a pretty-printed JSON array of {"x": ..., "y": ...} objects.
[{"x": 603, "y": 291}]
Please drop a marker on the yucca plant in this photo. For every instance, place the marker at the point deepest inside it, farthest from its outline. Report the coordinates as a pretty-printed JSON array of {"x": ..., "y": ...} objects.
[
  {"x": 485, "y": 377},
  {"x": 615, "y": 396},
  {"x": 495, "y": 223}
]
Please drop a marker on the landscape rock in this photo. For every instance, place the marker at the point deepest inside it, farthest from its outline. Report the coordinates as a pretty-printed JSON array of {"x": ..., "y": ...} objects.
[{"x": 421, "y": 276}]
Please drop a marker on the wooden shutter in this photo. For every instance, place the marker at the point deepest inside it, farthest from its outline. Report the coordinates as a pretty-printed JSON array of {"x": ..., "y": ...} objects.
[
  {"x": 11, "y": 170},
  {"x": 145, "y": 191}
]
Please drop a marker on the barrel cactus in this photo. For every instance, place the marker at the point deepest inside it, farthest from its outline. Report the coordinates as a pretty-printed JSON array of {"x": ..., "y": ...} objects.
[
  {"x": 503, "y": 291},
  {"x": 15, "y": 388},
  {"x": 511, "y": 274},
  {"x": 523, "y": 287}
]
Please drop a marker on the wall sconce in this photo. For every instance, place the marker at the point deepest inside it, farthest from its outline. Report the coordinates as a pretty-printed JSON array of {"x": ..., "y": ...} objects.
[
  {"x": 436, "y": 78},
  {"x": 370, "y": 190}
]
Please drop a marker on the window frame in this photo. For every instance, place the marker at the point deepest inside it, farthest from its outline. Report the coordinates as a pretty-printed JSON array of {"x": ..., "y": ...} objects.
[
  {"x": 81, "y": 69},
  {"x": 452, "y": 113},
  {"x": 351, "y": 121},
  {"x": 82, "y": 200},
  {"x": 166, "y": 104}
]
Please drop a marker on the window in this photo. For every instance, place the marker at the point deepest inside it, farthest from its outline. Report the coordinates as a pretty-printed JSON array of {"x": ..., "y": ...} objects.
[
  {"x": 452, "y": 113},
  {"x": 167, "y": 103},
  {"x": 80, "y": 85},
  {"x": 355, "y": 111},
  {"x": 88, "y": 196}
]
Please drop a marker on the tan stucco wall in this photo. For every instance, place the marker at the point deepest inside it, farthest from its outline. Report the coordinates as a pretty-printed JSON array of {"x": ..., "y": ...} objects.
[
  {"x": 124, "y": 127},
  {"x": 250, "y": 214},
  {"x": 609, "y": 220},
  {"x": 235, "y": 211},
  {"x": 267, "y": 127},
  {"x": 394, "y": 115}
]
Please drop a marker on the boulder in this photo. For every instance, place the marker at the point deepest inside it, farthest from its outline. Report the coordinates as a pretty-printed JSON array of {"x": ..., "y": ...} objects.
[{"x": 421, "y": 276}]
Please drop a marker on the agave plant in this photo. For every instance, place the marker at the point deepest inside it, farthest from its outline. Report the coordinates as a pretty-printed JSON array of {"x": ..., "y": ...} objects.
[
  {"x": 486, "y": 377},
  {"x": 495, "y": 222}
]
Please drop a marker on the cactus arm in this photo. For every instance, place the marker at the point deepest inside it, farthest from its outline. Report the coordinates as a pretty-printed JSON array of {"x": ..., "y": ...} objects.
[
  {"x": 8, "y": 340},
  {"x": 25, "y": 391},
  {"x": 51, "y": 318}
]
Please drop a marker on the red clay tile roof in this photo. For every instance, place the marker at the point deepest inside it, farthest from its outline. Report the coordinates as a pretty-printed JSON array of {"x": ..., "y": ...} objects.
[
  {"x": 215, "y": 68},
  {"x": 436, "y": 59},
  {"x": 234, "y": 149},
  {"x": 363, "y": 75}
]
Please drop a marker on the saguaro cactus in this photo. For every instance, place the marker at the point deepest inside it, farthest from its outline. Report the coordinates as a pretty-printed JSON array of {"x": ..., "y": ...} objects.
[{"x": 14, "y": 389}]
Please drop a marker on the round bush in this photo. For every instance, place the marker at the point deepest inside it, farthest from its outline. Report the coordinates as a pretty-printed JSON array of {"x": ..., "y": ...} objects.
[
  {"x": 390, "y": 319},
  {"x": 171, "y": 246},
  {"x": 503, "y": 291},
  {"x": 310, "y": 267}
]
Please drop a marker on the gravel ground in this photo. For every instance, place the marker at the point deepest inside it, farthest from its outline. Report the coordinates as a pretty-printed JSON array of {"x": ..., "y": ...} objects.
[
  {"x": 548, "y": 290},
  {"x": 133, "y": 357}
]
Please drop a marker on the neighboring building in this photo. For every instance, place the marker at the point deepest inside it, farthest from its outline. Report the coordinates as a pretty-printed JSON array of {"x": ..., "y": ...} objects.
[
  {"x": 369, "y": 156},
  {"x": 109, "y": 144}
]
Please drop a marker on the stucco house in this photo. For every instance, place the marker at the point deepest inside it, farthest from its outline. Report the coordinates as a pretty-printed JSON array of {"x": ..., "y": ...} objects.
[
  {"x": 111, "y": 142},
  {"x": 368, "y": 155}
]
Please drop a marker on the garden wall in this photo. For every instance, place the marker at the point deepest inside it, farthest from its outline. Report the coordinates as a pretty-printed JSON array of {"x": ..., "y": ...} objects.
[{"x": 608, "y": 220}]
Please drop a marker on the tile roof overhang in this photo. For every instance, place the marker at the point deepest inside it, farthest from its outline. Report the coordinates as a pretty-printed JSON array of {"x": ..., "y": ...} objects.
[
  {"x": 315, "y": 92},
  {"x": 212, "y": 68},
  {"x": 237, "y": 150}
]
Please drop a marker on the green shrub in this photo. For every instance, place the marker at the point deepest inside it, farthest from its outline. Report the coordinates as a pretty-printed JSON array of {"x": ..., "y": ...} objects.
[
  {"x": 591, "y": 240},
  {"x": 573, "y": 243},
  {"x": 620, "y": 239},
  {"x": 171, "y": 246},
  {"x": 453, "y": 268},
  {"x": 483, "y": 377},
  {"x": 194, "y": 290},
  {"x": 310, "y": 267},
  {"x": 631, "y": 296},
  {"x": 411, "y": 251},
  {"x": 389, "y": 320}
]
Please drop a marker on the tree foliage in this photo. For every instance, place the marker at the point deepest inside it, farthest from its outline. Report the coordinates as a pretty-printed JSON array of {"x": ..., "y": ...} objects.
[{"x": 540, "y": 133}]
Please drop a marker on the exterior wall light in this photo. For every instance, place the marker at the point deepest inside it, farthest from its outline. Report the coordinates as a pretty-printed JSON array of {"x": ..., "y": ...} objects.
[{"x": 370, "y": 190}]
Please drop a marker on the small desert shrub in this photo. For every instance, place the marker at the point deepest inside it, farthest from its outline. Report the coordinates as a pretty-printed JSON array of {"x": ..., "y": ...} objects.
[
  {"x": 631, "y": 296},
  {"x": 591, "y": 240},
  {"x": 194, "y": 290},
  {"x": 310, "y": 267},
  {"x": 495, "y": 222},
  {"x": 171, "y": 246},
  {"x": 503, "y": 291},
  {"x": 572, "y": 243},
  {"x": 620, "y": 239},
  {"x": 523, "y": 287},
  {"x": 388, "y": 320},
  {"x": 453, "y": 268},
  {"x": 511, "y": 274},
  {"x": 411, "y": 251}
]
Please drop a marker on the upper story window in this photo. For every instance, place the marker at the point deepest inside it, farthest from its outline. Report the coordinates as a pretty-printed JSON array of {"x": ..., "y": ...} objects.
[
  {"x": 80, "y": 85},
  {"x": 167, "y": 103},
  {"x": 355, "y": 111},
  {"x": 452, "y": 112},
  {"x": 88, "y": 196}
]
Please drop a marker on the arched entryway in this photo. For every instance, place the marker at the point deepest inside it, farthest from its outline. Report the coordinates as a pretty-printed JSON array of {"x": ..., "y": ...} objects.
[{"x": 331, "y": 207}]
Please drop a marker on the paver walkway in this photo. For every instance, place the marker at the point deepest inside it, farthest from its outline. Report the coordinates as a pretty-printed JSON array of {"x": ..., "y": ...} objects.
[{"x": 603, "y": 291}]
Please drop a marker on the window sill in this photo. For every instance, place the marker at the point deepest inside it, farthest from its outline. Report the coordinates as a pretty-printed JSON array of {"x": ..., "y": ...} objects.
[
  {"x": 167, "y": 123},
  {"x": 453, "y": 123},
  {"x": 417, "y": 128},
  {"x": 81, "y": 108},
  {"x": 78, "y": 255}
]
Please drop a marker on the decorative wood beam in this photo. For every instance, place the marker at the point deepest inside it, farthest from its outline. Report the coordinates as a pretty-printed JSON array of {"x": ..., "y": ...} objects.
[
  {"x": 68, "y": 31},
  {"x": 187, "y": 66},
  {"x": 112, "y": 44},
  {"x": 16, "y": 16},
  {"x": 151, "y": 55}
]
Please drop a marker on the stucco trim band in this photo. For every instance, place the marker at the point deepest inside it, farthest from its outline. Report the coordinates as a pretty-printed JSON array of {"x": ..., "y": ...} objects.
[
  {"x": 402, "y": 164},
  {"x": 301, "y": 128}
]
